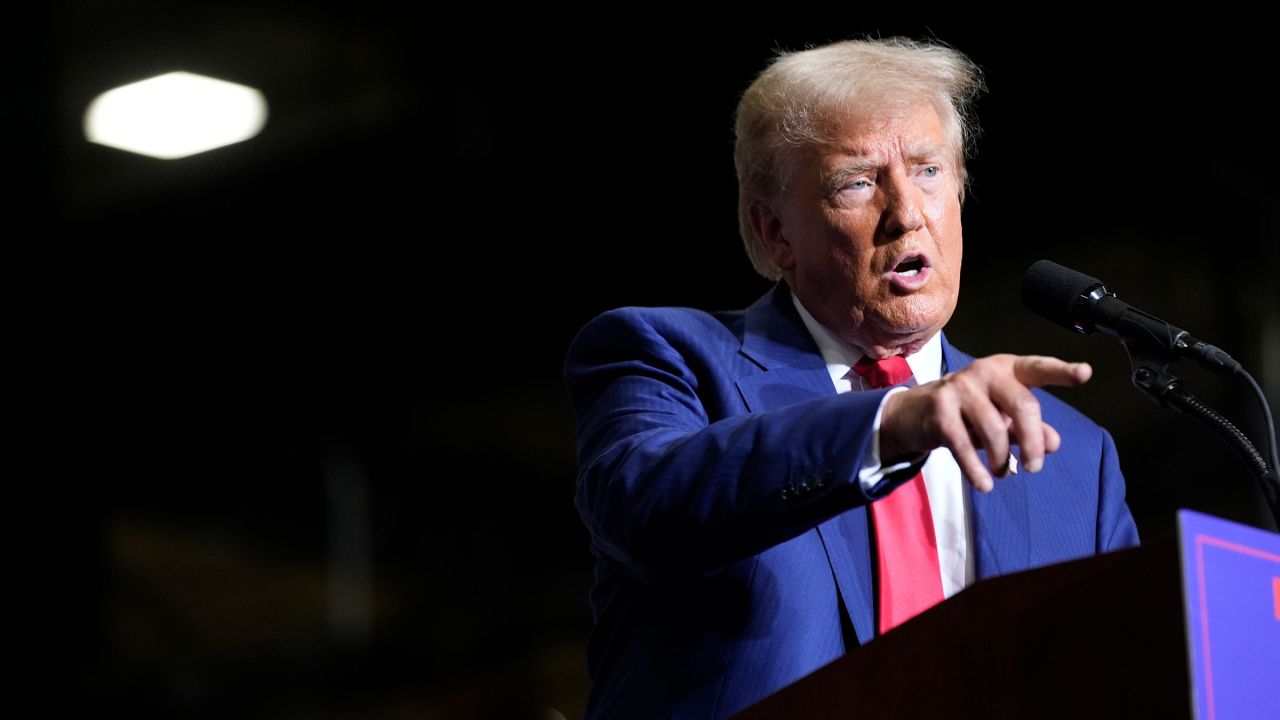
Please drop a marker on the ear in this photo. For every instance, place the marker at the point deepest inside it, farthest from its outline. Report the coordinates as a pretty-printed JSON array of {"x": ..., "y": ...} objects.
[{"x": 767, "y": 226}]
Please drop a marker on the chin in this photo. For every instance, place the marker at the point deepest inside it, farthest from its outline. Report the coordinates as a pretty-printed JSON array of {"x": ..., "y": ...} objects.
[
  {"x": 907, "y": 333},
  {"x": 917, "y": 319}
]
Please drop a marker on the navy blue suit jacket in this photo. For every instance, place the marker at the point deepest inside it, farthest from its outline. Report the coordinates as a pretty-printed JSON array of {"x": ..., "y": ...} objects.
[{"x": 718, "y": 480}]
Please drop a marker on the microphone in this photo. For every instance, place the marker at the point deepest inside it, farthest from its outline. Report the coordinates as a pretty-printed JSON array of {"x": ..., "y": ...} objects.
[{"x": 1082, "y": 303}]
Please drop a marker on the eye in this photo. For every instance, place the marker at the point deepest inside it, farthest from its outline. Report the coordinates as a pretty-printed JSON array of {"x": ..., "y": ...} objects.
[
  {"x": 931, "y": 171},
  {"x": 854, "y": 186}
]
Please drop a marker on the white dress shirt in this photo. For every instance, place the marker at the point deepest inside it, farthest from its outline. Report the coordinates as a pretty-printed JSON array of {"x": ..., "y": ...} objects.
[{"x": 948, "y": 500}]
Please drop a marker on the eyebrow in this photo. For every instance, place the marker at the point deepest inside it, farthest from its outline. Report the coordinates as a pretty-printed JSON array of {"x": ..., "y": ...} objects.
[
  {"x": 858, "y": 164},
  {"x": 839, "y": 175}
]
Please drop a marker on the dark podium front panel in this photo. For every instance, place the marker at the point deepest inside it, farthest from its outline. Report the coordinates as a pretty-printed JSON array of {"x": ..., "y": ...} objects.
[
  {"x": 1173, "y": 630},
  {"x": 1101, "y": 637}
]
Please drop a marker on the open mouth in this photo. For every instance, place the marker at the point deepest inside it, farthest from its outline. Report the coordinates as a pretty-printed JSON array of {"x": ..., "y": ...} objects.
[
  {"x": 910, "y": 267},
  {"x": 911, "y": 273}
]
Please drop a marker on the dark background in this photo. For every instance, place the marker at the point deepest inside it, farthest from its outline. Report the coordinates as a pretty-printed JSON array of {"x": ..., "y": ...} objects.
[{"x": 288, "y": 437}]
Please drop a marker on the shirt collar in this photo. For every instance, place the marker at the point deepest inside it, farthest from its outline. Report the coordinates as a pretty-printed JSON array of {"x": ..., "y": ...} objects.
[{"x": 926, "y": 364}]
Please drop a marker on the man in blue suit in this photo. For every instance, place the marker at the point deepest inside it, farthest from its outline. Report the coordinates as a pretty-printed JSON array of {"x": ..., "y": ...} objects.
[{"x": 735, "y": 466}]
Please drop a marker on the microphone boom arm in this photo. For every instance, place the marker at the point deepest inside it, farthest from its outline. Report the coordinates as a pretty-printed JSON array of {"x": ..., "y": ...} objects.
[{"x": 1151, "y": 375}]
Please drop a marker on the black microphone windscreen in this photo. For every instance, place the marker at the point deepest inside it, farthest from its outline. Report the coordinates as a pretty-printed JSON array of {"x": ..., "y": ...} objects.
[{"x": 1053, "y": 291}]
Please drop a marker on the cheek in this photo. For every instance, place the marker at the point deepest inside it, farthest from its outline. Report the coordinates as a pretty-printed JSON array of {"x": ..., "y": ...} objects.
[{"x": 947, "y": 232}]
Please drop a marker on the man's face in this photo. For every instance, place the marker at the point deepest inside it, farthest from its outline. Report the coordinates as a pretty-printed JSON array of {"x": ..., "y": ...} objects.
[{"x": 868, "y": 230}]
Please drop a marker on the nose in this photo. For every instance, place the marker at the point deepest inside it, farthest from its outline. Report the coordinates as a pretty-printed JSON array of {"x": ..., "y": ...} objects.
[{"x": 904, "y": 207}]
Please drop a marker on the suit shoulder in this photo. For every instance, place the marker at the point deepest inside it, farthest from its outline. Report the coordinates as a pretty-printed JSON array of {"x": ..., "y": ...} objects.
[{"x": 683, "y": 347}]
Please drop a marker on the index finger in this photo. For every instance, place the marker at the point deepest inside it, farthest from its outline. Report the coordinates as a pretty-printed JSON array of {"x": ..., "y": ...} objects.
[{"x": 1041, "y": 370}]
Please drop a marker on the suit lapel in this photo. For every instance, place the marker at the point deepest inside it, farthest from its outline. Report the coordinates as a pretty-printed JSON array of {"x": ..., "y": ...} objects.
[
  {"x": 1000, "y": 532},
  {"x": 775, "y": 339}
]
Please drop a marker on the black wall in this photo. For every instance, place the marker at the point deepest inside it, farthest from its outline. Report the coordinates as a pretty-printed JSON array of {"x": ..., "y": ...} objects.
[{"x": 337, "y": 347}]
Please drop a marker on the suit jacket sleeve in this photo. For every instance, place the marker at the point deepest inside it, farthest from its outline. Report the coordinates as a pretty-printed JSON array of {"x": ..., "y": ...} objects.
[
  {"x": 674, "y": 474},
  {"x": 1116, "y": 528}
]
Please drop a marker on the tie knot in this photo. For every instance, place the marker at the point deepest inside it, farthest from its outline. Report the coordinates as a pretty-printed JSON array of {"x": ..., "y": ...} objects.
[{"x": 884, "y": 373}]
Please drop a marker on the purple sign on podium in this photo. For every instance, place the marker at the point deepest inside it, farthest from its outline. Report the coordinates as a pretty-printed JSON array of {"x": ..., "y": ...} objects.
[{"x": 1231, "y": 581}]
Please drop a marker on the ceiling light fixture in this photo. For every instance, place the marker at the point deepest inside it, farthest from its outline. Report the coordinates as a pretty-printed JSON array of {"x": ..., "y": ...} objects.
[{"x": 175, "y": 115}]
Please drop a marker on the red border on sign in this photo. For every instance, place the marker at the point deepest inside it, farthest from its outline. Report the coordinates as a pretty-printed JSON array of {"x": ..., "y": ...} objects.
[{"x": 1201, "y": 541}]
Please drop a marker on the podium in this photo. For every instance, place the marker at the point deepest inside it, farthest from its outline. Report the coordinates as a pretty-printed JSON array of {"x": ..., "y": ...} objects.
[{"x": 1179, "y": 629}]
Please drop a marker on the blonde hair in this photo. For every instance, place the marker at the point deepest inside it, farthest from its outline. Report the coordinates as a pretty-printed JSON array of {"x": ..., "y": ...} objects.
[{"x": 791, "y": 105}]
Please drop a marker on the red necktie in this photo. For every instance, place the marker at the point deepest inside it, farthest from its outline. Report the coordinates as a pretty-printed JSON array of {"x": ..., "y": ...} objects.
[{"x": 909, "y": 578}]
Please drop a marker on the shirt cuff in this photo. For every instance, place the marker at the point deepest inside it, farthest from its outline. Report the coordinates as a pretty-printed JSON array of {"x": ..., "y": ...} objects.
[{"x": 873, "y": 476}]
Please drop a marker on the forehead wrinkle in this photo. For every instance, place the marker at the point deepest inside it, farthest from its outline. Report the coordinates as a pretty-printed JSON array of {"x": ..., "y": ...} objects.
[
  {"x": 925, "y": 150},
  {"x": 855, "y": 161},
  {"x": 874, "y": 141}
]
